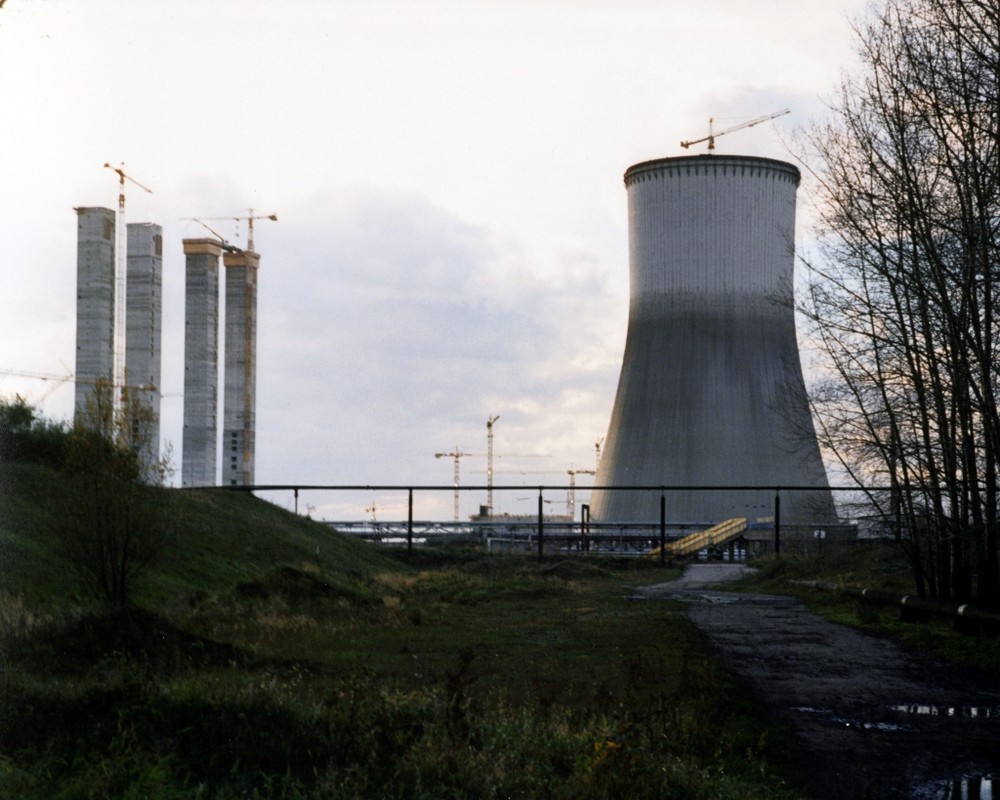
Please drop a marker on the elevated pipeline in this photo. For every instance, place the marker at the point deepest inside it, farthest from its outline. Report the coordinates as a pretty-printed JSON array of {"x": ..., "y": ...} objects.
[{"x": 919, "y": 606}]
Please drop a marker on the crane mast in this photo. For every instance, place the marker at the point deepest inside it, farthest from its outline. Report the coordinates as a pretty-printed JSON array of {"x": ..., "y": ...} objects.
[
  {"x": 121, "y": 288},
  {"x": 489, "y": 463},
  {"x": 571, "y": 491},
  {"x": 712, "y": 134},
  {"x": 457, "y": 455}
]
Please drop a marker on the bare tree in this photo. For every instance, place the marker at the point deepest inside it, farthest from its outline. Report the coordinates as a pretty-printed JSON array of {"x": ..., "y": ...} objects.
[
  {"x": 903, "y": 296},
  {"x": 116, "y": 523}
]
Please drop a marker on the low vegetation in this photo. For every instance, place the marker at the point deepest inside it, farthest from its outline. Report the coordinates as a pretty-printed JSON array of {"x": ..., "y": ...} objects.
[
  {"x": 263, "y": 655},
  {"x": 877, "y": 565}
]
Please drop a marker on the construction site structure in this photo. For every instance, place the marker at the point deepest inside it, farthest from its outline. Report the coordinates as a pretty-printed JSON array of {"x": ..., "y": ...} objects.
[
  {"x": 712, "y": 133},
  {"x": 456, "y": 455},
  {"x": 121, "y": 278},
  {"x": 715, "y": 537},
  {"x": 240, "y": 396},
  {"x": 711, "y": 393},
  {"x": 144, "y": 334},
  {"x": 248, "y": 219},
  {"x": 58, "y": 381},
  {"x": 201, "y": 361},
  {"x": 95, "y": 304},
  {"x": 489, "y": 462},
  {"x": 571, "y": 490}
]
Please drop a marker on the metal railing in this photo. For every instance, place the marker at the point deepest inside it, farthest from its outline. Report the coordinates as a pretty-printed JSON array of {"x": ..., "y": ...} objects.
[{"x": 541, "y": 530}]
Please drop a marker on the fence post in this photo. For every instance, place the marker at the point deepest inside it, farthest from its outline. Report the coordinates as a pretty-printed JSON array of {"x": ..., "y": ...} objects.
[
  {"x": 777, "y": 522},
  {"x": 663, "y": 528},
  {"x": 541, "y": 522},
  {"x": 584, "y": 526},
  {"x": 409, "y": 524}
]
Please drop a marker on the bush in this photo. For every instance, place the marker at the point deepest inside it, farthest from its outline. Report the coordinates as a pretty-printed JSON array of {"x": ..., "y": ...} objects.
[{"x": 26, "y": 437}]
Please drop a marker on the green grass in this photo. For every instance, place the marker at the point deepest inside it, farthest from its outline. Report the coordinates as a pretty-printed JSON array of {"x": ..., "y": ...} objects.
[
  {"x": 219, "y": 538},
  {"x": 260, "y": 668},
  {"x": 879, "y": 565},
  {"x": 556, "y": 688}
]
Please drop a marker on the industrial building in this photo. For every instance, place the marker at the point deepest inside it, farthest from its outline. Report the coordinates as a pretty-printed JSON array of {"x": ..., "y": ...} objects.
[
  {"x": 711, "y": 392},
  {"x": 103, "y": 346},
  {"x": 240, "y": 398},
  {"x": 201, "y": 361},
  {"x": 144, "y": 332},
  {"x": 95, "y": 305}
]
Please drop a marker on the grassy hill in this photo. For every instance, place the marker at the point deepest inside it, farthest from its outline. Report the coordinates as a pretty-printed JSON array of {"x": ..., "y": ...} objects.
[
  {"x": 218, "y": 539},
  {"x": 272, "y": 657}
]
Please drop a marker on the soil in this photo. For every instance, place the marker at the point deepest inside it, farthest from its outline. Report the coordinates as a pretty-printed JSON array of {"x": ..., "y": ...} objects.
[{"x": 870, "y": 719}]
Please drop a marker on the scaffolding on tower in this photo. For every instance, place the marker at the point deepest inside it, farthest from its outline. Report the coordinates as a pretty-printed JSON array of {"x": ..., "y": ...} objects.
[{"x": 121, "y": 287}]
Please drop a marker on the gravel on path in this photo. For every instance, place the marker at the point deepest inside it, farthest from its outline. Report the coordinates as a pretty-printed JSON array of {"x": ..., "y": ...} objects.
[{"x": 871, "y": 719}]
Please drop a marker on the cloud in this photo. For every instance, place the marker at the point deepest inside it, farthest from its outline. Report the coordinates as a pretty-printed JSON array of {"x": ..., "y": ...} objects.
[{"x": 400, "y": 329}]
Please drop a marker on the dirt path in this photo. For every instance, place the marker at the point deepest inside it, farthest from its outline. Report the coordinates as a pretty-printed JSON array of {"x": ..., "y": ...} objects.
[{"x": 872, "y": 721}]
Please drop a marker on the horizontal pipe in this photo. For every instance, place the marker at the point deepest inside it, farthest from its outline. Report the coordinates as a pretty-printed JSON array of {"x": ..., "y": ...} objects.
[
  {"x": 927, "y": 605},
  {"x": 450, "y": 487}
]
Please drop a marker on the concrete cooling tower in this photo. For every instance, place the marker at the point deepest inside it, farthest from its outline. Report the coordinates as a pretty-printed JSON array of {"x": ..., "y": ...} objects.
[{"x": 711, "y": 390}]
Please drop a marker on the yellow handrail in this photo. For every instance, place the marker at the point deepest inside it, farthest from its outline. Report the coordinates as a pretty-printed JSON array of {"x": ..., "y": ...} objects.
[{"x": 715, "y": 536}]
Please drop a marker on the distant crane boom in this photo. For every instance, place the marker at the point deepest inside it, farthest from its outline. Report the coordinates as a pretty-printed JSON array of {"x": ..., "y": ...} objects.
[
  {"x": 249, "y": 219},
  {"x": 222, "y": 239},
  {"x": 571, "y": 491},
  {"x": 748, "y": 124},
  {"x": 456, "y": 454},
  {"x": 59, "y": 380}
]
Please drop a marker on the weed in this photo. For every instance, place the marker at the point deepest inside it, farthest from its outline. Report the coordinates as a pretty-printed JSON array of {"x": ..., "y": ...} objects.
[{"x": 270, "y": 672}]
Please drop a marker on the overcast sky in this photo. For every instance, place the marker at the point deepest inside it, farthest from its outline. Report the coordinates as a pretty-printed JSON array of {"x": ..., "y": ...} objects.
[{"x": 451, "y": 241}]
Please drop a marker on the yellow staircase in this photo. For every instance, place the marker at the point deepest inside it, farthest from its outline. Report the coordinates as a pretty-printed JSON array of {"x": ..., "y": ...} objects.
[{"x": 715, "y": 536}]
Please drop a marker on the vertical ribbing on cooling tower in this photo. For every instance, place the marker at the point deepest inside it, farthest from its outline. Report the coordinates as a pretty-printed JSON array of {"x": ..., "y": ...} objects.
[
  {"x": 711, "y": 390},
  {"x": 201, "y": 361}
]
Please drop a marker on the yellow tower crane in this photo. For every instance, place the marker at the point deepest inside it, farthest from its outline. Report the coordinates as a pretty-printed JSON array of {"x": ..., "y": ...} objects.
[
  {"x": 489, "y": 463},
  {"x": 121, "y": 288},
  {"x": 457, "y": 454},
  {"x": 748, "y": 124},
  {"x": 571, "y": 491},
  {"x": 59, "y": 380},
  {"x": 249, "y": 219}
]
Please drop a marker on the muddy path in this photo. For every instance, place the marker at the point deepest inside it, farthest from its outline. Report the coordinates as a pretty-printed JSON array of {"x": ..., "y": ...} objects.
[{"x": 871, "y": 720}]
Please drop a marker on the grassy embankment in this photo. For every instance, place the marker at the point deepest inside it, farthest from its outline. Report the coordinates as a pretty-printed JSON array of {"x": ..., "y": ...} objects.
[
  {"x": 876, "y": 565},
  {"x": 271, "y": 657}
]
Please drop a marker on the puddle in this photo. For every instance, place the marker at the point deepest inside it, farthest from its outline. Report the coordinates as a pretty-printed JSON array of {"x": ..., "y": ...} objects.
[
  {"x": 966, "y": 788},
  {"x": 961, "y": 712},
  {"x": 847, "y": 722},
  {"x": 692, "y": 596}
]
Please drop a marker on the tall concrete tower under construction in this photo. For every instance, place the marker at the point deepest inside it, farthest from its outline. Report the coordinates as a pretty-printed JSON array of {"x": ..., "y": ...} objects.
[
  {"x": 711, "y": 392},
  {"x": 143, "y": 335},
  {"x": 95, "y": 307},
  {"x": 240, "y": 398},
  {"x": 201, "y": 361}
]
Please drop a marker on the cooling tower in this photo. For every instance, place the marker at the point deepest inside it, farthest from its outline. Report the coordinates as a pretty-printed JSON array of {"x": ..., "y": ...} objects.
[
  {"x": 201, "y": 361},
  {"x": 95, "y": 305},
  {"x": 711, "y": 390},
  {"x": 240, "y": 398}
]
